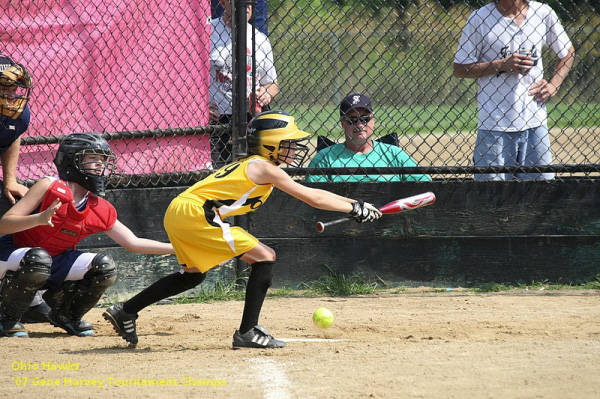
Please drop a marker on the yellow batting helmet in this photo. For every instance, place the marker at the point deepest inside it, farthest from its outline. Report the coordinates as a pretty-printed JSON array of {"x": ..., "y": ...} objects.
[{"x": 276, "y": 136}]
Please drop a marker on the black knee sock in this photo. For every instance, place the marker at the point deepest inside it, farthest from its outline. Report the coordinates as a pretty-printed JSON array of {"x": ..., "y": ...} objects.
[
  {"x": 170, "y": 285},
  {"x": 261, "y": 276}
]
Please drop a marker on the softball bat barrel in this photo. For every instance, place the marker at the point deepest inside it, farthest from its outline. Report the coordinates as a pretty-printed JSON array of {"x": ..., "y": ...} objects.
[
  {"x": 409, "y": 203},
  {"x": 397, "y": 206}
]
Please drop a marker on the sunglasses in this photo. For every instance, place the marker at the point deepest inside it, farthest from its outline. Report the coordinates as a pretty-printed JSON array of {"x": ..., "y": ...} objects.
[{"x": 354, "y": 121}]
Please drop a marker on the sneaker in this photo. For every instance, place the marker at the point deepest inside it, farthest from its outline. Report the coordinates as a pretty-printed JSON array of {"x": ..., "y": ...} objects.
[
  {"x": 12, "y": 329},
  {"x": 80, "y": 328},
  {"x": 257, "y": 337},
  {"x": 123, "y": 323}
]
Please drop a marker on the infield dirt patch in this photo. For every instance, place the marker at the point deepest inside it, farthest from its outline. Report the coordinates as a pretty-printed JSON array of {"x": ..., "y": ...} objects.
[{"x": 409, "y": 345}]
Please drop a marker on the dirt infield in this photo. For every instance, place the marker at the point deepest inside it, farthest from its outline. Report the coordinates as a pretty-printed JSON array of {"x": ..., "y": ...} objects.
[{"x": 541, "y": 344}]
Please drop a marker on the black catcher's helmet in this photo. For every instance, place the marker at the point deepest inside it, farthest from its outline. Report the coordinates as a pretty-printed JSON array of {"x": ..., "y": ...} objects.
[
  {"x": 70, "y": 163},
  {"x": 15, "y": 87},
  {"x": 276, "y": 136}
]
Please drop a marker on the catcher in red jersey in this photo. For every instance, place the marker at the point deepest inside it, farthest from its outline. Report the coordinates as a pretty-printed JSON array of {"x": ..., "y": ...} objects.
[
  {"x": 38, "y": 251},
  {"x": 195, "y": 223}
]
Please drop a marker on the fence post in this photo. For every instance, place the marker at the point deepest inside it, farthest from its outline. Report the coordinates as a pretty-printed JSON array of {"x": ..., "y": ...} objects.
[{"x": 239, "y": 101}]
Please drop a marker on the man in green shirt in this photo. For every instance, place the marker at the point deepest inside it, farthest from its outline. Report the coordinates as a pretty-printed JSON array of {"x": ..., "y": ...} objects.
[{"x": 359, "y": 149}]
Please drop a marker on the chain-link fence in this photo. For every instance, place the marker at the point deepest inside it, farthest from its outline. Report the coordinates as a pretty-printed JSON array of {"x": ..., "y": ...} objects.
[
  {"x": 144, "y": 72},
  {"x": 135, "y": 70},
  {"x": 402, "y": 54}
]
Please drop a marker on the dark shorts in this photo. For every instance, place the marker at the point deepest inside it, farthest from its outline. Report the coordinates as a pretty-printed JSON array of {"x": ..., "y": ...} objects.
[{"x": 61, "y": 264}]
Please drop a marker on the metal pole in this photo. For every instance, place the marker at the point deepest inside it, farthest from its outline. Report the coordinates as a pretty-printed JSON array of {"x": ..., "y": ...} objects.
[
  {"x": 253, "y": 102},
  {"x": 239, "y": 101}
]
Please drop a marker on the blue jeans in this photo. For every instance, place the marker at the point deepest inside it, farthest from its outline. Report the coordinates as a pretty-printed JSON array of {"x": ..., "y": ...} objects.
[{"x": 529, "y": 147}]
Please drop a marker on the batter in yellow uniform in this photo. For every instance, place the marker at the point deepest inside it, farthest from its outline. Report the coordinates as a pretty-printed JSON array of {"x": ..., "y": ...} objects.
[
  {"x": 195, "y": 219},
  {"x": 195, "y": 223}
]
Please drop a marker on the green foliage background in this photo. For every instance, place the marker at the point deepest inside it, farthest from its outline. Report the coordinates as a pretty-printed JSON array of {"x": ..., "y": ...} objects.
[{"x": 401, "y": 54}]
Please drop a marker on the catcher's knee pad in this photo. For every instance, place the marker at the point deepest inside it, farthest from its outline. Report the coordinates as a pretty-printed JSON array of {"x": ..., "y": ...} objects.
[
  {"x": 103, "y": 273},
  {"x": 34, "y": 269},
  {"x": 19, "y": 289},
  {"x": 98, "y": 279}
]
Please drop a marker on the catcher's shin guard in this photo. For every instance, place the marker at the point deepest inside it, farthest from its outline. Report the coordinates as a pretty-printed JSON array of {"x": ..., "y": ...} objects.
[
  {"x": 37, "y": 312},
  {"x": 19, "y": 288},
  {"x": 76, "y": 298},
  {"x": 103, "y": 275}
]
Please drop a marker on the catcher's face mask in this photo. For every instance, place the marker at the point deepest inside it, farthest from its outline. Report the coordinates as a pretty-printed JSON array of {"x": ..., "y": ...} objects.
[{"x": 15, "y": 89}]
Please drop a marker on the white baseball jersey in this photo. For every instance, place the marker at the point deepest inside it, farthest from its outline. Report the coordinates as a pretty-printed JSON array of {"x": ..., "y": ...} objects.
[
  {"x": 503, "y": 99},
  {"x": 221, "y": 71}
]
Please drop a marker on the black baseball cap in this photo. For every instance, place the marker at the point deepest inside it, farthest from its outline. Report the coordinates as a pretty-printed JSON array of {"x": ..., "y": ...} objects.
[{"x": 353, "y": 101}]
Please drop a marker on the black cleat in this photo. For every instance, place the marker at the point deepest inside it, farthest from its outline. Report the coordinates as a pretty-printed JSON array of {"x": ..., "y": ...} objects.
[
  {"x": 80, "y": 328},
  {"x": 123, "y": 323},
  {"x": 257, "y": 337},
  {"x": 12, "y": 329}
]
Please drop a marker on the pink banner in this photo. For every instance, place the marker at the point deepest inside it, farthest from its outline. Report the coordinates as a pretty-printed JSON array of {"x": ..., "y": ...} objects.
[{"x": 111, "y": 66}]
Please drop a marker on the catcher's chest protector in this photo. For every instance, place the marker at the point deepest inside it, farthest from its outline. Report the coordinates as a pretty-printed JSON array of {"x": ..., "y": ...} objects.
[{"x": 70, "y": 225}]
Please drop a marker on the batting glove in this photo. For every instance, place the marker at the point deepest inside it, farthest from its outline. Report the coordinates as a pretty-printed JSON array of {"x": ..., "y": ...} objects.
[{"x": 364, "y": 212}]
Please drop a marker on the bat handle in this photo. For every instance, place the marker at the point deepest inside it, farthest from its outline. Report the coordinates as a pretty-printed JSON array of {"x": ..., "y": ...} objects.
[{"x": 320, "y": 226}]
